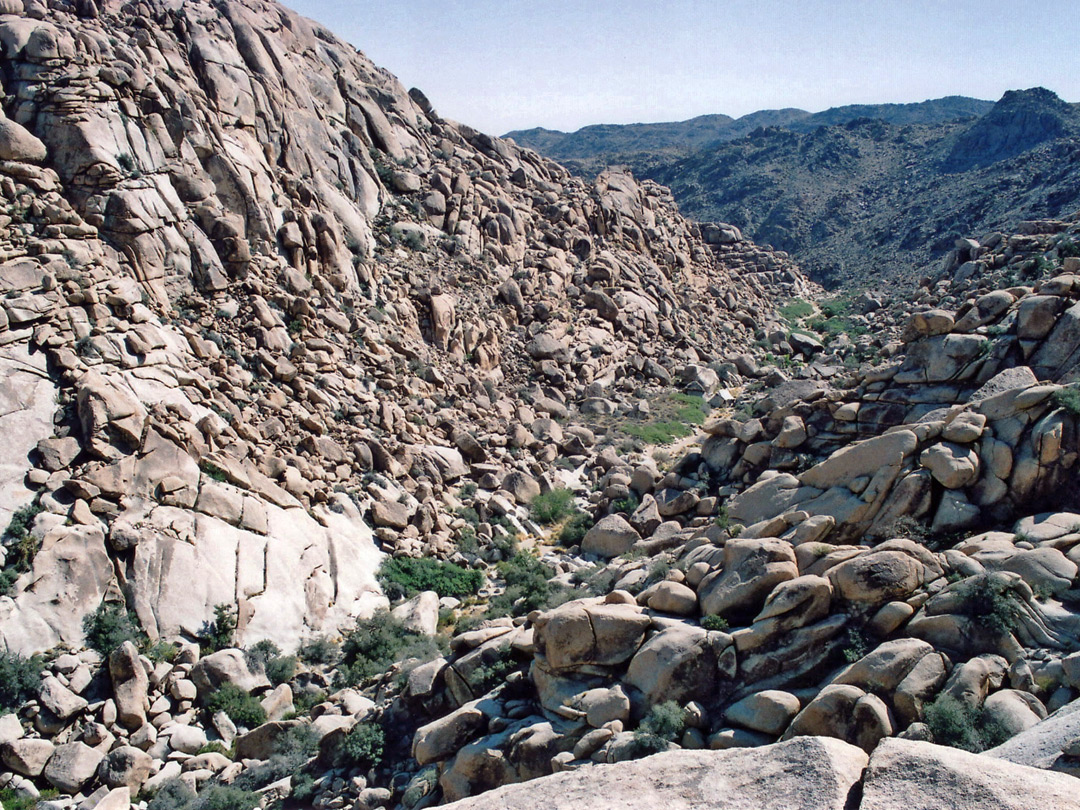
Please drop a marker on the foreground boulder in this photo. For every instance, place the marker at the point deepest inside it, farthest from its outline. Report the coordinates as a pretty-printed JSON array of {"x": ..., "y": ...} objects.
[
  {"x": 905, "y": 775},
  {"x": 815, "y": 773}
]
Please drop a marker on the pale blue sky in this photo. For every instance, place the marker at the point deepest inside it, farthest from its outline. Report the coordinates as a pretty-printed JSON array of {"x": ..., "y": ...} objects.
[{"x": 514, "y": 64}]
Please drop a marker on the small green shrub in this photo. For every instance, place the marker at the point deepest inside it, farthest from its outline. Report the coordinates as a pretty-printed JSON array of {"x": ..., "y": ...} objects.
[
  {"x": 243, "y": 709},
  {"x": 319, "y": 650},
  {"x": 1067, "y": 398},
  {"x": 20, "y": 679},
  {"x": 281, "y": 669},
  {"x": 551, "y": 507},
  {"x": 796, "y": 309},
  {"x": 712, "y": 622},
  {"x": 110, "y": 626},
  {"x": 218, "y": 634},
  {"x": 404, "y": 577},
  {"x": 375, "y": 644},
  {"x": 575, "y": 529},
  {"x": 172, "y": 795},
  {"x": 990, "y": 602},
  {"x": 362, "y": 747},
  {"x": 214, "y": 747},
  {"x": 628, "y": 504},
  {"x": 259, "y": 653},
  {"x": 21, "y": 546},
  {"x": 664, "y": 723},
  {"x": 227, "y": 797},
  {"x": 959, "y": 725},
  {"x": 528, "y": 587}
]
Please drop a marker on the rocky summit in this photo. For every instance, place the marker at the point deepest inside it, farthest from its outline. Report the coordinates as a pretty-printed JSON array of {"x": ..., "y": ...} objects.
[{"x": 356, "y": 458}]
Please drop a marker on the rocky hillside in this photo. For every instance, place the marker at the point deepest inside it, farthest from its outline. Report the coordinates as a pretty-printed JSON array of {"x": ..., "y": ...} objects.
[
  {"x": 282, "y": 348},
  {"x": 257, "y": 293},
  {"x": 876, "y": 198}
]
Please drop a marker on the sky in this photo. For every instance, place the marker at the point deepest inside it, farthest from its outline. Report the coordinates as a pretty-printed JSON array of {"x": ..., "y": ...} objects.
[{"x": 500, "y": 65}]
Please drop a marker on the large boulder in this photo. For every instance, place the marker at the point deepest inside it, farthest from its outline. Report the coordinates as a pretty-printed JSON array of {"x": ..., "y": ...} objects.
[
  {"x": 909, "y": 775},
  {"x": 877, "y": 577},
  {"x": 803, "y": 774},
  {"x": 71, "y": 766},
  {"x": 130, "y": 685},
  {"x": 609, "y": 537},
  {"x": 589, "y": 633},
  {"x": 226, "y": 666},
  {"x": 681, "y": 663},
  {"x": 751, "y": 569}
]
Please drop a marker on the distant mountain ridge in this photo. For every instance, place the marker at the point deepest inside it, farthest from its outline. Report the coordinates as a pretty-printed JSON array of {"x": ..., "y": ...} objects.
[
  {"x": 867, "y": 194},
  {"x": 599, "y": 144}
]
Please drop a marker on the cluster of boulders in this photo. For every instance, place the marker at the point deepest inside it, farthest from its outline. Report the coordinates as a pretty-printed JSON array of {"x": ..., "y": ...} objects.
[{"x": 105, "y": 731}]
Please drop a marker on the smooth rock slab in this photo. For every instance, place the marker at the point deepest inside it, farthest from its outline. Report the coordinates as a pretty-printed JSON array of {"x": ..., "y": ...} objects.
[
  {"x": 908, "y": 775},
  {"x": 804, "y": 774}
]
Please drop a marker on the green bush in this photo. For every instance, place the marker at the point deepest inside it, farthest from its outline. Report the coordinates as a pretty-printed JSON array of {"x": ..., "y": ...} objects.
[
  {"x": 362, "y": 747},
  {"x": 281, "y": 669},
  {"x": 959, "y": 725},
  {"x": 528, "y": 587},
  {"x": 110, "y": 626},
  {"x": 218, "y": 634},
  {"x": 173, "y": 794},
  {"x": 227, "y": 797},
  {"x": 404, "y": 577},
  {"x": 714, "y": 622},
  {"x": 266, "y": 655},
  {"x": 551, "y": 507},
  {"x": 575, "y": 529},
  {"x": 664, "y": 723},
  {"x": 1067, "y": 398},
  {"x": 20, "y": 679},
  {"x": 319, "y": 650},
  {"x": 376, "y": 643},
  {"x": 796, "y": 309},
  {"x": 992, "y": 603},
  {"x": 243, "y": 709},
  {"x": 292, "y": 751},
  {"x": 21, "y": 546}
]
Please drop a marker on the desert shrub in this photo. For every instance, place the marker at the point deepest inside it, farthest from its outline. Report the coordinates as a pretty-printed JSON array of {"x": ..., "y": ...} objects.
[
  {"x": 305, "y": 700},
  {"x": 281, "y": 669},
  {"x": 990, "y": 602},
  {"x": 214, "y": 747},
  {"x": 226, "y": 797},
  {"x": 528, "y": 587},
  {"x": 551, "y": 507},
  {"x": 376, "y": 643},
  {"x": 174, "y": 794},
  {"x": 1067, "y": 398},
  {"x": 959, "y": 725},
  {"x": 21, "y": 546},
  {"x": 243, "y": 709},
  {"x": 663, "y": 724},
  {"x": 20, "y": 679},
  {"x": 319, "y": 650},
  {"x": 362, "y": 747},
  {"x": 266, "y": 655},
  {"x": 110, "y": 626},
  {"x": 291, "y": 753},
  {"x": 575, "y": 529},
  {"x": 404, "y": 577},
  {"x": 714, "y": 622},
  {"x": 628, "y": 504},
  {"x": 218, "y": 634}
]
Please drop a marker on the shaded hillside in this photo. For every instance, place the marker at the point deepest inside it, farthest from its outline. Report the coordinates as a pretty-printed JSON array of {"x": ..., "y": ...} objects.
[
  {"x": 591, "y": 148},
  {"x": 870, "y": 198}
]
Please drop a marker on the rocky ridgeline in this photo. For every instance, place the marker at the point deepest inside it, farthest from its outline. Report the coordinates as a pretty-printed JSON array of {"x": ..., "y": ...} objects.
[{"x": 258, "y": 298}]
